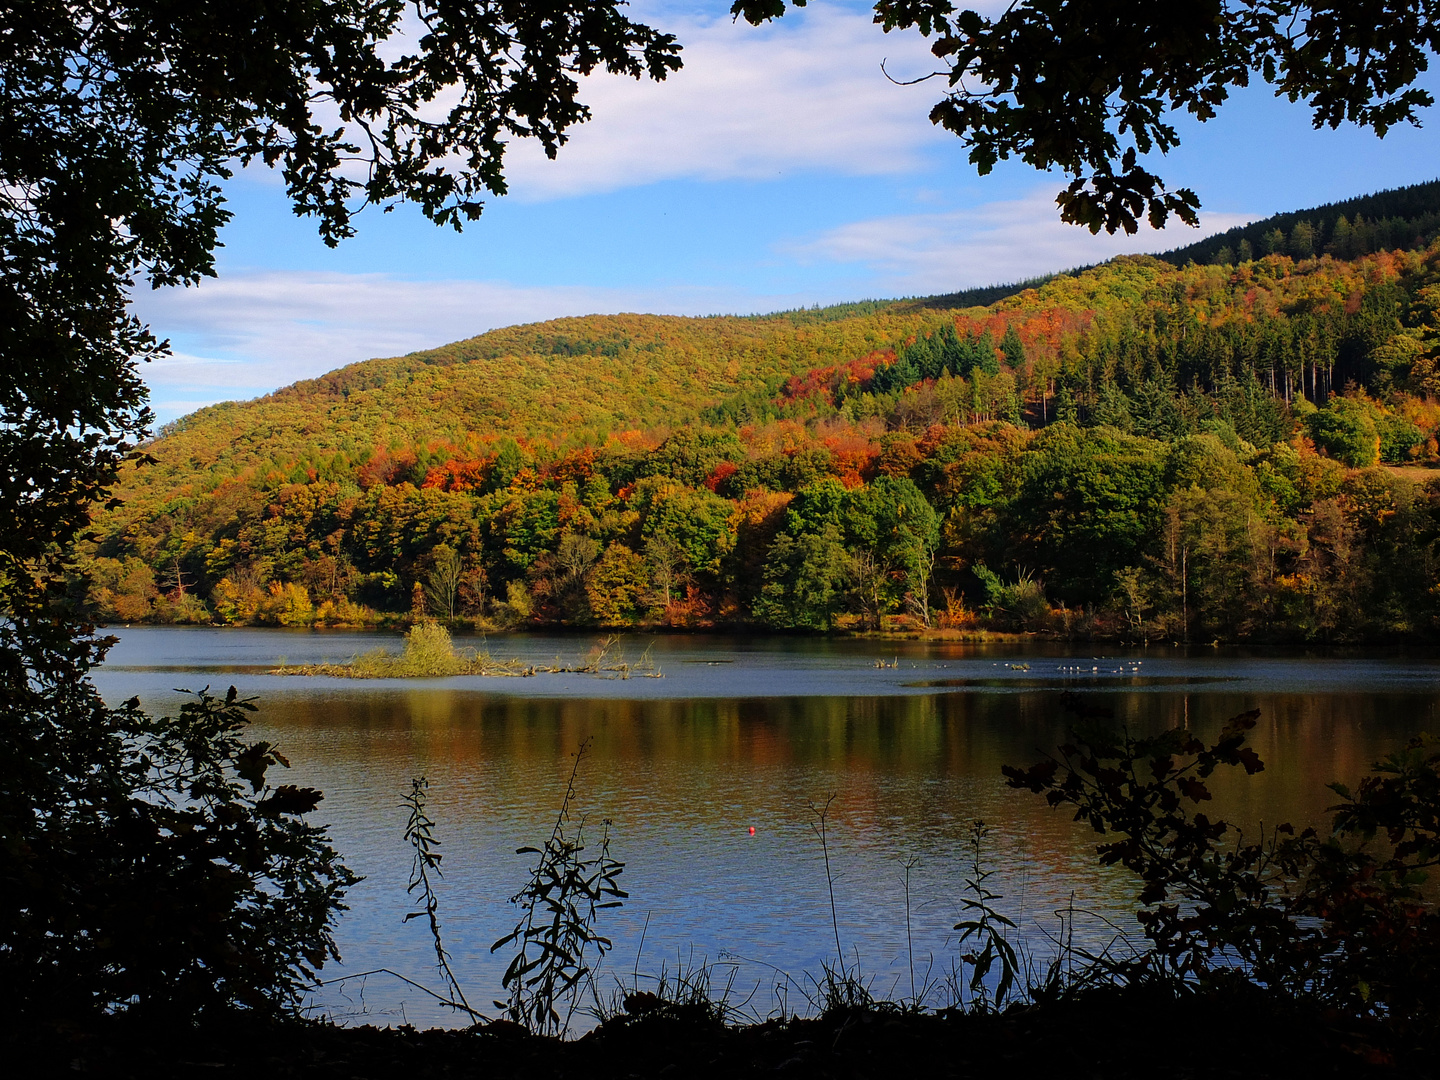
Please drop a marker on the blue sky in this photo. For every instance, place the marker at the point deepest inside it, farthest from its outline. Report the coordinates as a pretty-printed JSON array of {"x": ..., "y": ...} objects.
[{"x": 780, "y": 168}]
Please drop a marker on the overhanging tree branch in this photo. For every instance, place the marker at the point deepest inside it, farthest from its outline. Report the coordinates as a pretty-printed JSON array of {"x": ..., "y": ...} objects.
[{"x": 1086, "y": 86}]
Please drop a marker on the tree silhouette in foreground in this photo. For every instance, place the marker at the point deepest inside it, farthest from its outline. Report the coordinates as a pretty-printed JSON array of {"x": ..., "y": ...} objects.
[
  {"x": 1087, "y": 86},
  {"x": 137, "y": 872}
]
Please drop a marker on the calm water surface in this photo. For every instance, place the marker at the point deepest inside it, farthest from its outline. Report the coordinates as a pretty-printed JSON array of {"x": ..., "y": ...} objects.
[{"x": 745, "y": 732}]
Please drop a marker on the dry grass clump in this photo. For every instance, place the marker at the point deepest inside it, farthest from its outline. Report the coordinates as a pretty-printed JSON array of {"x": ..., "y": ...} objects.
[{"x": 429, "y": 654}]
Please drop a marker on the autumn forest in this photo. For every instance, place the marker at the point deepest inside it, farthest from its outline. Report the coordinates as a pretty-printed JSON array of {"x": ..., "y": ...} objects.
[{"x": 1237, "y": 448}]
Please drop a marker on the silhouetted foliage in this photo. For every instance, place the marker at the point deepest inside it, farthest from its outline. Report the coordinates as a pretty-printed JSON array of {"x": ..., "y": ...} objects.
[
  {"x": 559, "y": 906},
  {"x": 1088, "y": 86},
  {"x": 136, "y": 873},
  {"x": 1340, "y": 918},
  {"x": 151, "y": 866}
]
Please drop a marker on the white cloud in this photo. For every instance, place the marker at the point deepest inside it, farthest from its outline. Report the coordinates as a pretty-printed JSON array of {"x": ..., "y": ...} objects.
[
  {"x": 990, "y": 244},
  {"x": 803, "y": 93}
]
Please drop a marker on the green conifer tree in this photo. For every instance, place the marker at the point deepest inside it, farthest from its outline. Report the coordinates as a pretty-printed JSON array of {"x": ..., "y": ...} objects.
[{"x": 1013, "y": 347}]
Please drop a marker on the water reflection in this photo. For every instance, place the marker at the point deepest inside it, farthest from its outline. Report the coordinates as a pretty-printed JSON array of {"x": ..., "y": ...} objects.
[
  {"x": 908, "y": 736},
  {"x": 683, "y": 780}
]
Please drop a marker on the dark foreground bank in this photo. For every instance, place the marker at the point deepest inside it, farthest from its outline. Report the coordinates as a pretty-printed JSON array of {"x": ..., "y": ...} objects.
[{"x": 1110, "y": 1033}]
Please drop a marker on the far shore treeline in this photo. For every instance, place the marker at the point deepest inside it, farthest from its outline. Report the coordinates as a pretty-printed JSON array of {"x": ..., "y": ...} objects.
[{"x": 1230, "y": 451}]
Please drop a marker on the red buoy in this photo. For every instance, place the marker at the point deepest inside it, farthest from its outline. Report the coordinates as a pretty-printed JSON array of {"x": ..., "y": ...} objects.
[{"x": 752, "y": 830}]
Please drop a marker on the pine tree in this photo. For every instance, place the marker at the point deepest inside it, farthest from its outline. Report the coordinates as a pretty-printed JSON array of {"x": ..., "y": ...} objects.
[
  {"x": 1113, "y": 408},
  {"x": 1013, "y": 348},
  {"x": 1302, "y": 240},
  {"x": 1066, "y": 409},
  {"x": 986, "y": 360},
  {"x": 1342, "y": 239}
]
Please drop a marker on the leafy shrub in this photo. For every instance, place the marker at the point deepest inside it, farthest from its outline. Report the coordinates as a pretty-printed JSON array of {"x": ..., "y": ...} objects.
[
  {"x": 986, "y": 928},
  {"x": 182, "y": 608},
  {"x": 1339, "y": 919},
  {"x": 123, "y": 590},
  {"x": 429, "y": 653},
  {"x": 1023, "y": 599},
  {"x": 148, "y": 865},
  {"x": 287, "y": 604},
  {"x": 1398, "y": 437},
  {"x": 559, "y": 906}
]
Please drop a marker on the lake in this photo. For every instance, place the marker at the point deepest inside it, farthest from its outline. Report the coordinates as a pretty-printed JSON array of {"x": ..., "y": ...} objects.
[{"x": 753, "y": 732}]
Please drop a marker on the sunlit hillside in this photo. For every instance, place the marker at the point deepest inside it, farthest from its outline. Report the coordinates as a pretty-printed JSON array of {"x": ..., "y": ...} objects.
[
  {"x": 569, "y": 381},
  {"x": 1229, "y": 449}
]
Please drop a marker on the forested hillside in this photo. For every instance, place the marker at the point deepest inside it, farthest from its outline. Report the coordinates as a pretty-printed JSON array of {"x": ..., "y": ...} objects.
[
  {"x": 1138, "y": 450},
  {"x": 1407, "y": 217}
]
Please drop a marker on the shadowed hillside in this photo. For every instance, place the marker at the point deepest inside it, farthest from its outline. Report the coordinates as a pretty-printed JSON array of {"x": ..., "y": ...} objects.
[{"x": 1407, "y": 217}]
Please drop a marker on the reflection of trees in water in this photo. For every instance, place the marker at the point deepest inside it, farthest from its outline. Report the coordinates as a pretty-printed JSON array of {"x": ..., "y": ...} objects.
[
  {"x": 901, "y": 760},
  {"x": 967, "y": 729},
  {"x": 683, "y": 779}
]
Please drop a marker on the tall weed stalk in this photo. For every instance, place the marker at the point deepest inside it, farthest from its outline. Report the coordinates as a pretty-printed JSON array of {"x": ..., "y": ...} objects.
[
  {"x": 559, "y": 907},
  {"x": 985, "y": 930},
  {"x": 420, "y": 835},
  {"x": 839, "y": 988}
]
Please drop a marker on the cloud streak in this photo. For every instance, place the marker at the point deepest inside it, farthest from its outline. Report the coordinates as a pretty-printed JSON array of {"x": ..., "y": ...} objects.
[
  {"x": 804, "y": 92},
  {"x": 994, "y": 243}
]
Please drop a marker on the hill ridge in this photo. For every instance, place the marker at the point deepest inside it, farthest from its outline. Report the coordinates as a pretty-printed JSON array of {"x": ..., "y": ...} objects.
[{"x": 1035, "y": 464}]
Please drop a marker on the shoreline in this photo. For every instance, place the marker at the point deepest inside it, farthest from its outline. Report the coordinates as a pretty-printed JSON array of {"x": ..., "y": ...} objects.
[
  {"x": 1105, "y": 1033},
  {"x": 979, "y": 636}
]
